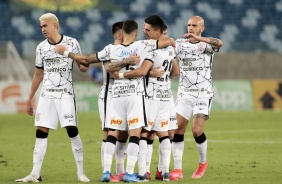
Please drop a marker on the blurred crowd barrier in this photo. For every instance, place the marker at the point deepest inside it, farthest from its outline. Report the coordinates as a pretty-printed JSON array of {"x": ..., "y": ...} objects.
[{"x": 230, "y": 95}]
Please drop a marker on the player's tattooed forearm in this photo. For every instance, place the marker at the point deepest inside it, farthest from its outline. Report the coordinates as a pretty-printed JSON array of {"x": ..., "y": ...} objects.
[
  {"x": 115, "y": 66},
  {"x": 91, "y": 59},
  {"x": 214, "y": 41},
  {"x": 71, "y": 55}
]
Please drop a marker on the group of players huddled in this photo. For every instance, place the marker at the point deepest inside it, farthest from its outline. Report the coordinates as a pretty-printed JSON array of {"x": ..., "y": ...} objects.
[{"x": 135, "y": 102}]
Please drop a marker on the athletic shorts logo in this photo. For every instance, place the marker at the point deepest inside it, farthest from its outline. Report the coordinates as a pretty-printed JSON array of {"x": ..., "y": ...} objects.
[
  {"x": 115, "y": 121},
  {"x": 150, "y": 122},
  {"x": 164, "y": 123},
  {"x": 133, "y": 121},
  {"x": 37, "y": 116}
]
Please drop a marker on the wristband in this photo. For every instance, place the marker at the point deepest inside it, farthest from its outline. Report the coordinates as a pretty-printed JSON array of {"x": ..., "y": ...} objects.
[
  {"x": 66, "y": 53},
  {"x": 121, "y": 75}
]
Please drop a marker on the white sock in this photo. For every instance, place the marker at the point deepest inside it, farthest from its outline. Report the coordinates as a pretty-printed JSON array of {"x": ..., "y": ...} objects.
[
  {"x": 160, "y": 163},
  {"x": 177, "y": 151},
  {"x": 142, "y": 157},
  {"x": 132, "y": 156},
  {"x": 77, "y": 150},
  {"x": 149, "y": 156},
  {"x": 165, "y": 152},
  {"x": 38, "y": 156},
  {"x": 120, "y": 157},
  {"x": 202, "y": 149},
  {"x": 109, "y": 151},
  {"x": 102, "y": 154}
]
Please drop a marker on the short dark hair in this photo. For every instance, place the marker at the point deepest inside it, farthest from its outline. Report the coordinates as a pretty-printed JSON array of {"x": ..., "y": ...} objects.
[
  {"x": 156, "y": 22},
  {"x": 129, "y": 26},
  {"x": 165, "y": 27},
  {"x": 116, "y": 27}
]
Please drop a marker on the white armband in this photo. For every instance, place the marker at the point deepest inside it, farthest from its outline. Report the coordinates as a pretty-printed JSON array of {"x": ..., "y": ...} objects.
[
  {"x": 121, "y": 75},
  {"x": 66, "y": 53}
]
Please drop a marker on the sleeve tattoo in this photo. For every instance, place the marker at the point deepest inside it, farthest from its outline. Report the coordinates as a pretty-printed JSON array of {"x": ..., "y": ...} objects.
[{"x": 214, "y": 41}]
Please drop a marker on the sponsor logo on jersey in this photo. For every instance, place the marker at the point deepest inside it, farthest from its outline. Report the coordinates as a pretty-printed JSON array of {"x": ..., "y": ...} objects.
[
  {"x": 56, "y": 70},
  {"x": 164, "y": 123},
  {"x": 133, "y": 121},
  {"x": 188, "y": 65},
  {"x": 122, "y": 52},
  {"x": 115, "y": 121}
]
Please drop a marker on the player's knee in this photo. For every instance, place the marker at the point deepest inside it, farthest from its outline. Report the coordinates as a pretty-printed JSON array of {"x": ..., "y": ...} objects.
[
  {"x": 200, "y": 139},
  {"x": 134, "y": 139},
  {"x": 72, "y": 132},
  {"x": 112, "y": 139},
  {"x": 178, "y": 138},
  {"x": 143, "y": 138},
  {"x": 149, "y": 141},
  {"x": 40, "y": 134},
  {"x": 163, "y": 138}
]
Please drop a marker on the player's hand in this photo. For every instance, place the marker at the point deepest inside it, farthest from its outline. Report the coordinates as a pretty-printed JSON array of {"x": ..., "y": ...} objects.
[
  {"x": 171, "y": 41},
  {"x": 157, "y": 72},
  {"x": 29, "y": 108},
  {"x": 60, "y": 49},
  {"x": 191, "y": 37},
  {"x": 134, "y": 59},
  {"x": 115, "y": 75}
]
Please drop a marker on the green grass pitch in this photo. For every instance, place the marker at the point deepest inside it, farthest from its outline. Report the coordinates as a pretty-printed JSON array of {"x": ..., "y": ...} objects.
[{"x": 243, "y": 148}]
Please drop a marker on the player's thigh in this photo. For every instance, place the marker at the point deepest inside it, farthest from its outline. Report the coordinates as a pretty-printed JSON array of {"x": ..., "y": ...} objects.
[
  {"x": 135, "y": 111},
  {"x": 162, "y": 119},
  {"x": 46, "y": 113},
  {"x": 67, "y": 111},
  {"x": 103, "y": 107},
  {"x": 151, "y": 113},
  {"x": 202, "y": 106},
  {"x": 116, "y": 114},
  {"x": 172, "y": 124},
  {"x": 184, "y": 108}
]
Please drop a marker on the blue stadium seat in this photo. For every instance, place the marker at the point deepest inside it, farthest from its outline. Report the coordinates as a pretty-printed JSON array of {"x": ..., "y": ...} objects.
[{"x": 234, "y": 21}]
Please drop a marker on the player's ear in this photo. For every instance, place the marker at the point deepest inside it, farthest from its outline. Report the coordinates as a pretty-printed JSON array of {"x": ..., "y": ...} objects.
[{"x": 202, "y": 30}]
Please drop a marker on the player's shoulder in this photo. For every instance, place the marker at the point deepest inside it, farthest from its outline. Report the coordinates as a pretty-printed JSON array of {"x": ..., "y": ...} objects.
[
  {"x": 66, "y": 38},
  {"x": 42, "y": 44},
  {"x": 180, "y": 40}
]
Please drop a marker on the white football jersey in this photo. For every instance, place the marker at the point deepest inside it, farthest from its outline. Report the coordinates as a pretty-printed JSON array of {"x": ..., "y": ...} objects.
[
  {"x": 160, "y": 88},
  {"x": 131, "y": 87},
  {"x": 195, "y": 64},
  {"x": 108, "y": 80},
  {"x": 57, "y": 80}
]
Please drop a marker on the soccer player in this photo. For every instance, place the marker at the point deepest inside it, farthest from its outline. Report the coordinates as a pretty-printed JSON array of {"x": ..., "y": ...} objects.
[
  {"x": 195, "y": 54},
  {"x": 57, "y": 101},
  {"x": 127, "y": 104},
  {"x": 106, "y": 93},
  {"x": 172, "y": 124}
]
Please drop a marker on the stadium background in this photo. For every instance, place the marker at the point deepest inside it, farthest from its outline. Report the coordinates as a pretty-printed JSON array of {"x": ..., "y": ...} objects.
[{"x": 246, "y": 72}]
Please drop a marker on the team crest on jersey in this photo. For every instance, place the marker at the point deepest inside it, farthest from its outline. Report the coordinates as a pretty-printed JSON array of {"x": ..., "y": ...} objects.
[{"x": 201, "y": 47}]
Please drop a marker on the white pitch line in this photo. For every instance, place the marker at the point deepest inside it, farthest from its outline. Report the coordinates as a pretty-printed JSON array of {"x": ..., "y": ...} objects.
[{"x": 239, "y": 142}]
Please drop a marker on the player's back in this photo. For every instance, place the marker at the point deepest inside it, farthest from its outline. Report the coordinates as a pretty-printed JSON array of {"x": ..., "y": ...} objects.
[{"x": 126, "y": 87}]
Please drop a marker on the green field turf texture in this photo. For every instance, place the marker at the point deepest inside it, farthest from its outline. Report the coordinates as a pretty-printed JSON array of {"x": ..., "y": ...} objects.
[{"x": 243, "y": 148}]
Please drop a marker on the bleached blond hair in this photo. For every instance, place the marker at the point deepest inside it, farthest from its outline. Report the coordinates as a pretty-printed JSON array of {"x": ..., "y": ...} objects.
[{"x": 49, "y": 16}]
